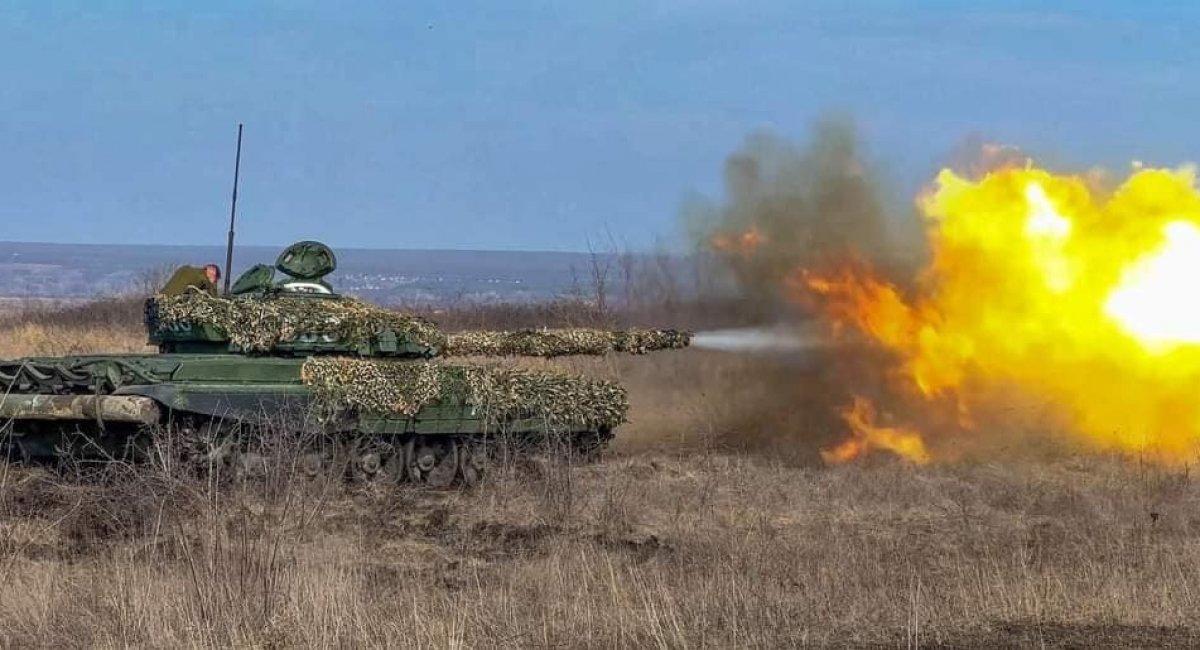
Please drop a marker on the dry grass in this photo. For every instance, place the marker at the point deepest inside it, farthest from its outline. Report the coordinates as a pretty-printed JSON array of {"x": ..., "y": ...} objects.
[
  {"x": 41, "y": 340},
  {"x": 710, "y": 525},
  {"x": 49, "y": 328},
  {"x": 699, "y": 550}
]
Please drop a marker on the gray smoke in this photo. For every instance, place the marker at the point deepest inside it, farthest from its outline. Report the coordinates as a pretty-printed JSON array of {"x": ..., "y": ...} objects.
[
  {"x": 791, "y": 206},
  {"x": 759, "y": 339}
]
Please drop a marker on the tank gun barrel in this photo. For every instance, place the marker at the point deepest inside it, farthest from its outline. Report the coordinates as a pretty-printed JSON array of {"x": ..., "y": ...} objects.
[{"x": 564, "y": 342}]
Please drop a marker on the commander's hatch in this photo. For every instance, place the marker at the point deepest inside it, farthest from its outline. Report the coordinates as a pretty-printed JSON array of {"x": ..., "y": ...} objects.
[{"x": 305, "y": 263}]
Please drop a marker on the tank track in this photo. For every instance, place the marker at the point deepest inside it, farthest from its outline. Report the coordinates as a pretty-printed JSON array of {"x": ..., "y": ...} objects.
[{"x": 237, "y": 451}]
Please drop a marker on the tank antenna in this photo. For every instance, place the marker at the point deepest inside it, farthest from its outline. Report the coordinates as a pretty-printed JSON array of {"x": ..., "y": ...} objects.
[{"x": 237, "y": 165}]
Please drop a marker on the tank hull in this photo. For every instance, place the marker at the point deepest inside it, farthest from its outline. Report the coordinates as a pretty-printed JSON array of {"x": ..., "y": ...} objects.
[{"x": 108, "y": 406}]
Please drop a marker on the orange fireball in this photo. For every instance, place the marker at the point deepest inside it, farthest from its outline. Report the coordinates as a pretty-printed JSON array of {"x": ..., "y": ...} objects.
[{"x": 1042, "y": 283}]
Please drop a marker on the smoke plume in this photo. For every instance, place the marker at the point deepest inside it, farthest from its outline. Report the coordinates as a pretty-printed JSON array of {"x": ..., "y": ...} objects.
[
  {"x": 776, "y": 340},
  {"x": 791, "y": 207}
]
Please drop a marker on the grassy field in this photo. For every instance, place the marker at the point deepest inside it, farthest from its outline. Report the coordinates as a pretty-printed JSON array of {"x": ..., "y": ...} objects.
[{"x": 710, "y": 524}]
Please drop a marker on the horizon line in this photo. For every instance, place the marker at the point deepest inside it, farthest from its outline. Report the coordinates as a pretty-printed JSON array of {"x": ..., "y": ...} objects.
[{"x": 335, "y": 248}]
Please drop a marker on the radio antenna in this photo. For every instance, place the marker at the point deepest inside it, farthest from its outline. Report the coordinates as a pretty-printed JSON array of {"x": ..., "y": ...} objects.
[{"x": 237, "y": 166}]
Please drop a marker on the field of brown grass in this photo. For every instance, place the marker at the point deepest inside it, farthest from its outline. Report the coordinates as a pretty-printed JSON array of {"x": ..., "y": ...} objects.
[
  {"x": 46, "y": 327},
  {"x": 710, "y": 524}
]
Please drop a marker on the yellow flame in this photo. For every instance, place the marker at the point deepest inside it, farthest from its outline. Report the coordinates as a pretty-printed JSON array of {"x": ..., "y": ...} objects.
[
  {"x": 1152, "y": 301},
  {"x": 1043, "y": 282}
]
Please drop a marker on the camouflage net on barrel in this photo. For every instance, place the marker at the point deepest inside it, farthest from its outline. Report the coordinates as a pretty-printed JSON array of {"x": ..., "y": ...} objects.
[
  {"x": 258, "y": 324},
  {"x": 563, "y": 342},
  {"x": 403, "y": 388}
]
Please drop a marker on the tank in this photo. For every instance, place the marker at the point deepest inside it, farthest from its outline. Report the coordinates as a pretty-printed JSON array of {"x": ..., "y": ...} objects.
[{"x": 389, "y": 394}]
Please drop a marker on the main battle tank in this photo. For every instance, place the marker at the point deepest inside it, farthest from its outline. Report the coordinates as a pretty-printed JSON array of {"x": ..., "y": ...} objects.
[{"x": 383, "y": 388}]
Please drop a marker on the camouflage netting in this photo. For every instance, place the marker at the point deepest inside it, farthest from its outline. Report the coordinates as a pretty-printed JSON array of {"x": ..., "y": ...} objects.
[
  {"x": 257, "y": 324},
  {"x": 499, "y": 393},
  {"x": 563, "y": 342}
]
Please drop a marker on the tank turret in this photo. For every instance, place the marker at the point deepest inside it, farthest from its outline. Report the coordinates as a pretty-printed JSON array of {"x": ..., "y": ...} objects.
[
  {"x": 298, "y": 316},
  {"x": 302, "y": 316}
]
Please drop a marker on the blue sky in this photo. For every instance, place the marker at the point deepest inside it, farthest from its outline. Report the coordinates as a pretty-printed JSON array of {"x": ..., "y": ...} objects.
[{"x": 537, "y": 125}]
